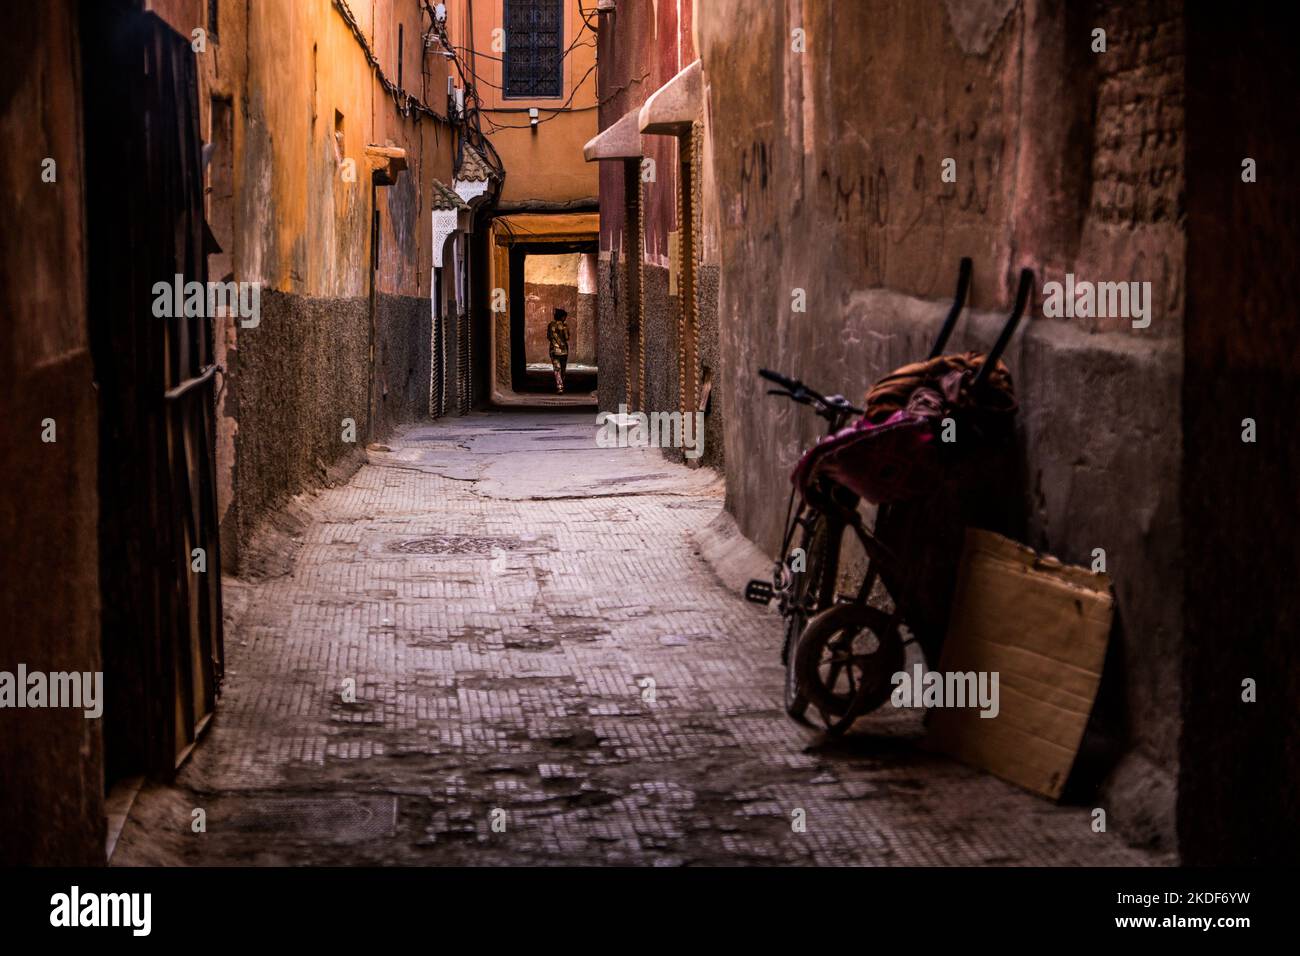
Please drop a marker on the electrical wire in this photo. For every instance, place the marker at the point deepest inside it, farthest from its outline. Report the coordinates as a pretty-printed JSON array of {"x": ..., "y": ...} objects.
[
  {"x": 576, "y": 42},
  {"x": 500, "y": 59},
  {"x": 406, "y": 102},
  {"x": 586, "y": 17},
  {"x": 471, "y": 129},
  {"x": 563, "y": 108}
]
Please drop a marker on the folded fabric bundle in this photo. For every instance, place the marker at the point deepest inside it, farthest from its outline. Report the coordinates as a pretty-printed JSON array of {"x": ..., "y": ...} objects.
[{"x": 949, "y": 375}]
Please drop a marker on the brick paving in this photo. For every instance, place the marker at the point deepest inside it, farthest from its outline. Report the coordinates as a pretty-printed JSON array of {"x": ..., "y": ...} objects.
[{"x": 504, "y": 596}]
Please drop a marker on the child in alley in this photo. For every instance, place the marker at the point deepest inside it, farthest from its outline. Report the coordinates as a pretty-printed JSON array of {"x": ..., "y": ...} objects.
[{"x": 557, "y": 335}]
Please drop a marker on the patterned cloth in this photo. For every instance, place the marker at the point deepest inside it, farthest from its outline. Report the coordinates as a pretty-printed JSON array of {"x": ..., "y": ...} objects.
[{"x": 557, "y": 336}]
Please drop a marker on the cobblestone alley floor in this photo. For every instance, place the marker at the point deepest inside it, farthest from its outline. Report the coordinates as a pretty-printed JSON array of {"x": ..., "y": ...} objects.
[{"x": 499, "y": 590}]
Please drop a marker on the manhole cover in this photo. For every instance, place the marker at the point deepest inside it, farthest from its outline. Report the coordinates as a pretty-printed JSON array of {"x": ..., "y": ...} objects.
[
  {"x": 455, "y": 544},
  {"x": 341, "y": 820}
]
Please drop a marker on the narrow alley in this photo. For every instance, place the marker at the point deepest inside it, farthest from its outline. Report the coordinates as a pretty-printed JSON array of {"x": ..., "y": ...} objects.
[
  {"x": 622, "y": 436},
  {"x": 531, "y": 628}
]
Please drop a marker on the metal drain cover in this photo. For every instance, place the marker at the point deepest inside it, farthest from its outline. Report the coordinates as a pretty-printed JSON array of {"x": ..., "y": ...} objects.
[{"x": 455, "y": 544}]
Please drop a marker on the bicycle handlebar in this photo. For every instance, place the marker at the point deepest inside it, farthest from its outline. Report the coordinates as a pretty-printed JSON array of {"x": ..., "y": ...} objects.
[
  {"x": 799, "y": 392},
  {"x": 797, "y": 389}
]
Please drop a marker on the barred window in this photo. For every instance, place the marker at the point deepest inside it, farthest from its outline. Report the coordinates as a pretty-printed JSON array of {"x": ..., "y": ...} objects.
[{"x": 534, "y": 31}]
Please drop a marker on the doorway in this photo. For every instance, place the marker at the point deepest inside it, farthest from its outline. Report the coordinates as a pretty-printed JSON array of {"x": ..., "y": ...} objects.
[
  {"x": 545, "y": 277},
  {"x": 160, "y": 562}
]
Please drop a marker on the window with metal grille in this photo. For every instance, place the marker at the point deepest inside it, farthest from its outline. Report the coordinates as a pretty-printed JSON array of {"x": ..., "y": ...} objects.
[{"x": 534, "y": 31}]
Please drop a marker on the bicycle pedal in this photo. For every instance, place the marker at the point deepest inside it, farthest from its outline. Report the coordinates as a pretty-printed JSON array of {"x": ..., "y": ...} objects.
[{"x": 760, "y": 592}]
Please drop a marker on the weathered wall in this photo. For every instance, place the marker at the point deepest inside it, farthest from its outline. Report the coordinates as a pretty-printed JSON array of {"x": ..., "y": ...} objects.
[
  {"x": 402, "y": 360},
  {"x": 827, "y": 174},
  {"x": 293, "y": 390},
  {"x": 642, "y": 46},
  {"x": 303, "y": 103},
  {"x": 51, "y": 760},
  {"x": 290, "y": 221}
]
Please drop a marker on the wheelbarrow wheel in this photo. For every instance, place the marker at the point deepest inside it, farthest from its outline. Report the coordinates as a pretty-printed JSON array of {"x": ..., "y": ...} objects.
[
  {"x": 845, "y": 661},
  {"x": 796, "y": 704}
]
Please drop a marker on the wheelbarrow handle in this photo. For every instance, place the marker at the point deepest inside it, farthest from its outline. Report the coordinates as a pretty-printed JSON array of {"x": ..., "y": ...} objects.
[
  {"x": 958, "y": 301},
  {"x": 1022, "y": 299},
  {"x": 778, "y": 378}
]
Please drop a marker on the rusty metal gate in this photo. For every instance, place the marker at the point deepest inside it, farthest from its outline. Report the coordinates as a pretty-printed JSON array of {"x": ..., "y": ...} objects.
[{"x": 160, "y": 564}]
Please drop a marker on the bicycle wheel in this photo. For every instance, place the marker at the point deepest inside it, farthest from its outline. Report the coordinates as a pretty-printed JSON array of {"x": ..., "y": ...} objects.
[
  {"x": 845, "y": 661},
  {"x": 806, "y": 596}
]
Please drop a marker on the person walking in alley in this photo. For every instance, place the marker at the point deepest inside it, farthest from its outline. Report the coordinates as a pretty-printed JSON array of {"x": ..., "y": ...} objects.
[{"x": 557, "y": 335}]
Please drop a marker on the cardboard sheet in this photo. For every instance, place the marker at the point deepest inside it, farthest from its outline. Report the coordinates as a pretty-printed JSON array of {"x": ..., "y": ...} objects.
[{"x": 1043, "y": 628}]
